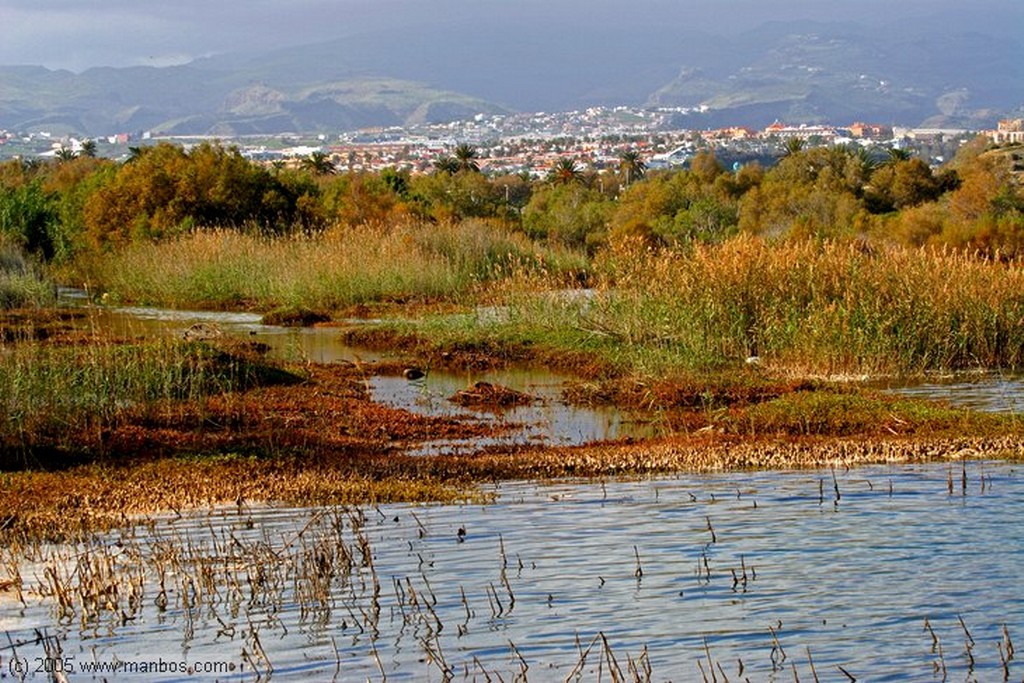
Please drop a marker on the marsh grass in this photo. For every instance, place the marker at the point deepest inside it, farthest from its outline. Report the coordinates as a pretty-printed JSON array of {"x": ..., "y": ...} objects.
[
  {"x": 827, "y": 308},
  {"x": 806, "y": 309},
  {"x": 21, "y": 283},
  {"x": 57, "y": 397},
  {"x": 341, "y": 268},
  {"x": 858, "y": 412}
]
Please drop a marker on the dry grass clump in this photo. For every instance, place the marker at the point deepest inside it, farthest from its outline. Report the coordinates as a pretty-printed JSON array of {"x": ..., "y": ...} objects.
[
  {"x": 826, "y": 308},
  {"x": 332, "y": 271},
  {"x": 792, "y": 309},
  {"x": 81, "y": 500}
]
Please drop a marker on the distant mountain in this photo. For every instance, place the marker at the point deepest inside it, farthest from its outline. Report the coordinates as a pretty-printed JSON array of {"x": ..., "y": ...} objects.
[
  {"x": 932, "y": 71},
  {"x": 194, "y": 99},
  {"x": 810, "y": 73}
]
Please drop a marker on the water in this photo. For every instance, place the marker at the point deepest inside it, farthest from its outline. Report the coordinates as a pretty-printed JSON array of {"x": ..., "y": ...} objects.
[
  {"x": 851, "y": 582},
  {"x": 549, "y": 420},
  {"x": 984, "y": 392}
]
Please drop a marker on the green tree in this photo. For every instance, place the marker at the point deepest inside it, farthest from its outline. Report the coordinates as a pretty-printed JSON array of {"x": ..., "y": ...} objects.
[
  {"x": 467, "y": 158},
  {"x": 28, "y": 217},
  {"x": 319, "y": 163},
  {"x": 444, "y": 196},
  {"x": 397, "y": 180},
  {"x": 89, "y": 149},
  {"x": 65, "y": 154},
  {"x": 566, "y": 171},
  {"x": 568, "y": 213},
  {"x": 896, "y": 155},
  {"x": 168, "y": 191},
  {"x": 631, "y": 165},
  {"x": 706, "y": 167},
  {"x": 361, "y": 198},
  {"x": 446, "y": 164},
  {"x": 135, "y": 153},
  {"x": 900, "y": 184}
]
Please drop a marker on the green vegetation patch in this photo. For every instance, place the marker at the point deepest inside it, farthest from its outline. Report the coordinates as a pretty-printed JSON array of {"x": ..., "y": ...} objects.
[
  {"x": 851, "y": 412},
  {"x": 55, "y": 397},
  {"x": 21, "y": 283}
]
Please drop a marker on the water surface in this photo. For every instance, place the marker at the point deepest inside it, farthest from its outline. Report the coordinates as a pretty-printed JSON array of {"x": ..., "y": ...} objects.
[{"x": 659, "y": 566}]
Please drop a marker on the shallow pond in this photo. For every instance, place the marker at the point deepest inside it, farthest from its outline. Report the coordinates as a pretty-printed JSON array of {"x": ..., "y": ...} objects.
[{"x": 765, "y": 571}]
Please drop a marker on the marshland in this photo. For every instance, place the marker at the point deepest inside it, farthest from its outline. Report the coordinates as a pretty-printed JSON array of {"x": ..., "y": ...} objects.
[{"x": 706, "y": 423}]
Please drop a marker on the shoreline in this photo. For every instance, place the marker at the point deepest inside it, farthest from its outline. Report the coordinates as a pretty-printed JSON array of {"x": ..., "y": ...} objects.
[{"x": 67, "y": 504}]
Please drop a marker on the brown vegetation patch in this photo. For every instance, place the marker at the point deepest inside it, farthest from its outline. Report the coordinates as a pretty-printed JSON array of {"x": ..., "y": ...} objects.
[
  {"x": 487, "y": 395},
  {"x": 329, "y": 412},
  {"x": 60, "y": 505},
  {"x": 689, "y": 392},
  {"x": 49, "y": 324},
  {"x": 295, "y": 317},
  {"x": 478, "y": 355}
]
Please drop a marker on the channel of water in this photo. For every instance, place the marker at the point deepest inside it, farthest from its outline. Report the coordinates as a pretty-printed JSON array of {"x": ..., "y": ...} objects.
[{"x": 549, "y": 420}]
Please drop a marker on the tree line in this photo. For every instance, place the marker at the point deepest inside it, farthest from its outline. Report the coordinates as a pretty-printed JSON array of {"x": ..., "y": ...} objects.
[{"x": 79, "y": 203}]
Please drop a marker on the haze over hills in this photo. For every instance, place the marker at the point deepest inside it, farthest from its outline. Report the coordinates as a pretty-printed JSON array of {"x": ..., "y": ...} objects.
[{"x": 936, "y": 69}]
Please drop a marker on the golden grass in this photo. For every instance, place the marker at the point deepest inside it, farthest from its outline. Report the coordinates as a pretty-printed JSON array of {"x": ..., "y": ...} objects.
[
  {"x": 806, "y": 308},
  {"x": 410, "y": 261}
]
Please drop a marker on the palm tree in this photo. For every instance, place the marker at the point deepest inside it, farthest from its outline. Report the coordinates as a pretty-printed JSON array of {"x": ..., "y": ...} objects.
[
  {"x": 896, "y": 155},
  {"x": 135, "y": 153},
  {"x": 65, "y": 154},
  {"x": 89, "y": 148},
  {"x": 319, "y": 163},
  {"x": 793, "y": 146},
  {"x": 566, "y": 171},
  {"x": 466, "y": 156},
  {"x": 447, "y": 164},
  {"x": 632, "y": 165}
]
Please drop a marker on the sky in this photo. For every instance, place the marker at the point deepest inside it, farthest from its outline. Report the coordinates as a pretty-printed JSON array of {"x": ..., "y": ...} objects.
[{"x": 79, "y": 34}]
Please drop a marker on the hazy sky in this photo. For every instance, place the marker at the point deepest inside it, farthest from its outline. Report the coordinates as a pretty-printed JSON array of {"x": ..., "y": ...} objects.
[{"x": 77, "y": 34}]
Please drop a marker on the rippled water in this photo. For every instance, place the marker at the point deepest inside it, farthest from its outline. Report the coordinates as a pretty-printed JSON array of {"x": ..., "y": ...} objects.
[
  {"x": 986, "y": 392},
  {"x": 849, "y": 580}
]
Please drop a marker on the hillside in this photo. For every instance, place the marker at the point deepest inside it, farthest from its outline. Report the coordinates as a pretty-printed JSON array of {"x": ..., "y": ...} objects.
[{"x": 927, "y": 72}]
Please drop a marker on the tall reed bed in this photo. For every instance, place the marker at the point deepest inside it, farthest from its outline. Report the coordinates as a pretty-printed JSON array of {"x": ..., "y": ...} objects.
[
  {"x": 829, "y": 307},
  {"x": 810, "y": 307},
  {"x": 62, "y": 397},
  {"x": 226, "y": 269}
]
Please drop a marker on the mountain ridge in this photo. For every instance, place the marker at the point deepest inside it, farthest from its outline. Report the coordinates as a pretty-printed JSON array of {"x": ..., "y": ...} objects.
[{"x": 799, "y": 71}]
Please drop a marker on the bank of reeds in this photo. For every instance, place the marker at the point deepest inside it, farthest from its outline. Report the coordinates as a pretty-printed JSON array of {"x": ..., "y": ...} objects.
[
  {"x": 811, "y": 308},
  {"x": 21, "y": 284},
  {"x": 61, "y": 398},
  {"x": 341, "y": 268}
]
